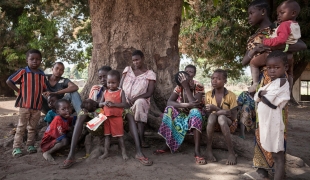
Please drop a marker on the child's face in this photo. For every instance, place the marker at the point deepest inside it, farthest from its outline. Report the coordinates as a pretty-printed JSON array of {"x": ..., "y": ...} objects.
[
  {"x": 275, "y": 67},
  {"x": 90, "y": 105},
  {"x": 285, "y": 13},
  {"x": 102, "y": 76},
  {"x": 51, "y": 101},
  {"x": 34, "y": 60},
  {"x": 255, "y": 15},
  {"x": 58, "y": 70},
  {"x": 64, "y": 109},
  {"x": 217, "y": 80},
  {"x": 112, "y": 83}
]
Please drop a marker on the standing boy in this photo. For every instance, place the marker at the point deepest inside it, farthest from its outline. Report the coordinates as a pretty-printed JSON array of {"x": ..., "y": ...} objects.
[{"x": 29, "y": 100}]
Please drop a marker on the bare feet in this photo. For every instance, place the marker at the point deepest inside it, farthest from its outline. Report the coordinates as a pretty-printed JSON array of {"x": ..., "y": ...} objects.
[
  {"x": 210, "y": 156},
  {"x": 253, "y": 87},
  {"x": 47, "y": 156},
  {"x": 232, "y": 159},
  {"x": 125, "y": 157},
  {"x": 105, "y": 155}
]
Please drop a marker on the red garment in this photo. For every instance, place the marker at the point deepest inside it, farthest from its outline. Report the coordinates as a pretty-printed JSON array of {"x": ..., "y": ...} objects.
[
  {"x": 283, "y": 32},
  {"x": 55, "y": 132},
  {"x": 114, "y": 97},
  {"x": 32, "y": 85},
  {"x": 114, "y": 124}
]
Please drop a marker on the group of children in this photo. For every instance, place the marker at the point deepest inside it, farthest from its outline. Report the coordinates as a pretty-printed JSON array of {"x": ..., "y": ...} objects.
[
  {"x": 271, "y": 98},
  {"x": 59, "y": 119}
]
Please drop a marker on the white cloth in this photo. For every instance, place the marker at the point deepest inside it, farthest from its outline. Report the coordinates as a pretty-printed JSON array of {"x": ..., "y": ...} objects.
[{"x": 271, "y": 126}]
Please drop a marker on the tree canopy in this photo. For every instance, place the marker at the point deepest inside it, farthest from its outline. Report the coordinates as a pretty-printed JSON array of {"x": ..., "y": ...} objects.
[
  {"x": 213, "y": 33},
  {"x": 215, "y": 36},
  {"x": 59, "y": 29}
]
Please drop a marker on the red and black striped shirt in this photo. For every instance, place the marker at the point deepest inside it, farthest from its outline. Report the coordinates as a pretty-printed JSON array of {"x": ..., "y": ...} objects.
[{"x": 32, "y": 85}]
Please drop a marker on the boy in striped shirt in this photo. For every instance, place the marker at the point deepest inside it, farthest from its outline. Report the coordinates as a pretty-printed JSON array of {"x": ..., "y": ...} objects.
[{"x": 29, "y": 100}]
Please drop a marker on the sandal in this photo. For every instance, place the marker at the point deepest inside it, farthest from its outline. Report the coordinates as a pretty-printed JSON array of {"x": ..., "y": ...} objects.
[
  {"x": 159, "y": 151},
  {"x": 144, "y": 161},
  {"x": 67, "y": 163},
  {"x": 31, "y": 150},
  {"x": 17, "y": 152},
  {"x": 200, "y": 160}
]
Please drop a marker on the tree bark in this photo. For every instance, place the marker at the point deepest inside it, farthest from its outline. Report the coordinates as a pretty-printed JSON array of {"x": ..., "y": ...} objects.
[{"x": 119, "y": 27}]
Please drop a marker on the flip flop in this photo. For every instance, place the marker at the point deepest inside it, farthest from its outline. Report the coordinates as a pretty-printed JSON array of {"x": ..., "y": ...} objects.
[
  {"x": 159, "y": 151},
  {"x": 144, "y": 161},
  {"x": 67, "y": 164},
  {"x": 200, "y": 160}
]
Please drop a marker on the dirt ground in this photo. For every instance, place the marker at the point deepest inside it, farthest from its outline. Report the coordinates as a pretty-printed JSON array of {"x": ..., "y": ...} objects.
[{"x": 180, "y": 165}]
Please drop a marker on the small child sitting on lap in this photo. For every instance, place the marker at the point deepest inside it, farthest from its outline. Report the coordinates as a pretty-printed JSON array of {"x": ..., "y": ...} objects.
[
  {"x": 55, "y": 136},
  {"x": 113, "y": 102},
  {"x": 222, "y": 104},
  {"x": 271, "y": 100},
  {"x": 51, "y": 104}
]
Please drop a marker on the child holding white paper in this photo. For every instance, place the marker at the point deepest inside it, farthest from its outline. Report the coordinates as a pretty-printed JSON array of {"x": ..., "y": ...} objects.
[{"x": 113, "y": 102}]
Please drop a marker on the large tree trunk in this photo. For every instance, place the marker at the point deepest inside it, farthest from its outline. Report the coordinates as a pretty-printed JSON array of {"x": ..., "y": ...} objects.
[{"x": 119, "y": 27}]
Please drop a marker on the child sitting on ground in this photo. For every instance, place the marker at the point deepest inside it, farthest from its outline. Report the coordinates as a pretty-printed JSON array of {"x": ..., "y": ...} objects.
[
  {"x": 271, "y": 100},
  {"x": 51, "y": 100},
  {"x": 113, "y": 103},
  {"x": 288, "y": 32},
  {"x": 222, "y": 106},
  {"x": 29, "y": 100},
  {"x": 55, "y": 136}
]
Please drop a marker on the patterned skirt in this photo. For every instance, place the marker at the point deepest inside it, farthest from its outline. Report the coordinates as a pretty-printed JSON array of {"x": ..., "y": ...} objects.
[
  {"x": 176, "y": 124},
  {"x": 246, "y": 114},
  {"x": 262, "y": 158}
]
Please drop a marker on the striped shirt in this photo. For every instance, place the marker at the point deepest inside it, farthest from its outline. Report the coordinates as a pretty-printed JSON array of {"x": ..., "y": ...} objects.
[{"x": 32, "y": 85}]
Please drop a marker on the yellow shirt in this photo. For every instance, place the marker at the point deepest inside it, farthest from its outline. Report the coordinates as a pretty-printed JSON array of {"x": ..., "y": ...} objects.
[{"x": 229, "y": 99}]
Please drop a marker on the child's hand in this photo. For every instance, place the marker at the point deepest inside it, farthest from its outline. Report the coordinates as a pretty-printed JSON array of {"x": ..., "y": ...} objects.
[
  {"x": 260, "y": 48},
  {"x": 109, "y": 104},
  {"x": 46, "y": 93},
  {"x": 183, "y": 80},
  {"x": 210, "y": 107},
  {"x": 263, "y": 92},
  {"x": 194, "y": 104}
]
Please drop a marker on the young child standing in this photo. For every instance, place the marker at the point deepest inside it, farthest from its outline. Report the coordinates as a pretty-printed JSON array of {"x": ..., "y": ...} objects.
[
  {"x": 271, "y": 100},
  {"x": 288, "y": 32},
  {"x": 29, "y": 100},
  {"x": 113, "y": 102},
  {"x": 55, "y": 135},
  {"x": 51, "y": 100},
  {"x": 221, "y": 103}
]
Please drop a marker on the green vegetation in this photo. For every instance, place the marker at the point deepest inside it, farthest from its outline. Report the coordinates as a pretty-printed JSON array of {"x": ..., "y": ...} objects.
[{"x": 215, "y": 36}]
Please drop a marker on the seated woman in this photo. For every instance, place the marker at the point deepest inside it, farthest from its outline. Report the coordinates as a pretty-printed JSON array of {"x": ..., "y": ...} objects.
[
  {"x": 182, "y": 115},
  {"x": 138, "y": 83}
]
